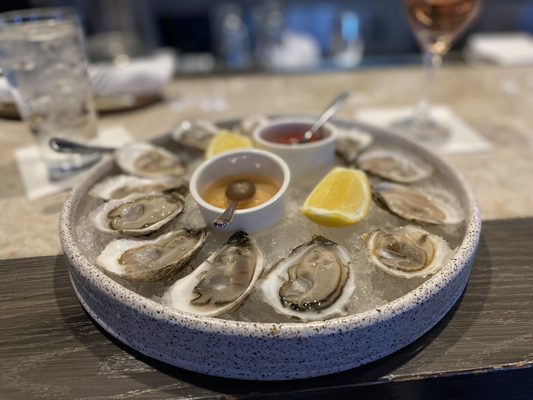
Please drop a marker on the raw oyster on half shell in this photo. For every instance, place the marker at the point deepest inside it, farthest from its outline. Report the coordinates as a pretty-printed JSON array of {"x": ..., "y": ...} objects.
[
  {"x": 407, "y": 251},
  {"x": 154, "y": 259},
  {"x": 314, "y": 282},
  {"x": 220, "y": 283},
  {"x": 249, "y": 124},
  {"x": 394, "y": 167},
  {"x": 139, "y": 213},
  {"x": 351, "y": 144},
  {"x": 119, "y": 186},
  {"x": 194, "y": 134},
  {"x": 148, "y": 161},
  {"x": 416, "y": 204}
]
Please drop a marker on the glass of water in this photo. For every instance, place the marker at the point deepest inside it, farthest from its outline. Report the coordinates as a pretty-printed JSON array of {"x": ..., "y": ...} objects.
[{"x": 43, "y": 58}]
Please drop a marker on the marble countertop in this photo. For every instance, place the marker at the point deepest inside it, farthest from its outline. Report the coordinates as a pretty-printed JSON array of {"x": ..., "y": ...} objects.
[{"x": 495, "y": 101}]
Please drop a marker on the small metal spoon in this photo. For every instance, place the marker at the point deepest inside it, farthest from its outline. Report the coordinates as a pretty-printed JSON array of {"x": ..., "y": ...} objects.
[
  {"x": 238, "y": 191},
  {"x": 67, "y": 146},
  {"x": 326, "y": 115}
]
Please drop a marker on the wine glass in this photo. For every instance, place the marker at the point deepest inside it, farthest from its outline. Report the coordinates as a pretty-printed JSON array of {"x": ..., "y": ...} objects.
[{"x": 436, "y": 24}]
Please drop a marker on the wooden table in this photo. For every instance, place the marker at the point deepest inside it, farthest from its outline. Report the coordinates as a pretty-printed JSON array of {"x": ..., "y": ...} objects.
[{"x": 484, "y": 348}]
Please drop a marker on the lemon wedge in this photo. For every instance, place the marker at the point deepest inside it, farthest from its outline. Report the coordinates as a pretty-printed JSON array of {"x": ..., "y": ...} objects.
[
  {"x": 341, "y": 198},
  {"x": 225, "y": 141}
]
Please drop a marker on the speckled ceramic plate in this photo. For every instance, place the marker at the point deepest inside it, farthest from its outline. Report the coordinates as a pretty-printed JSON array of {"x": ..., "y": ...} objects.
[{"x": 270, "y": 351}]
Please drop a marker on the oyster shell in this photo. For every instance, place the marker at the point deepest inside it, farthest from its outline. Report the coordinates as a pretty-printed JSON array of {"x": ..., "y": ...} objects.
[
  {"x": 139, "y": 213},
  {"x": 416, "y": 205},
  {"x": 148, "y": 161},
  {"x": 150, "y": 260},
  {"x": 407, "y": 251},
  {"x": 350, "y": 145},
  {"x": 314, "y": 282},
  {"x": 394, "y": 167},
  {"x": 194, "y": 134},
  {"x": 119, "y": 186},
  {"x": 221, "y": 282},
  {"x": 249, "y": 124}
]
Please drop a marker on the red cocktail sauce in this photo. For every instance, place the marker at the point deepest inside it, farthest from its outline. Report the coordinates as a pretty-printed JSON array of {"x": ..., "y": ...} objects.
[{"x": 294, "y": 137}]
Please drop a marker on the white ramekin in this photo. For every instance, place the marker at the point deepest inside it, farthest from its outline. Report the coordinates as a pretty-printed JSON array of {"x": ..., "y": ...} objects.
[
  {"x": 239, "y": 162},
  {"x": 303, "y": 158}
]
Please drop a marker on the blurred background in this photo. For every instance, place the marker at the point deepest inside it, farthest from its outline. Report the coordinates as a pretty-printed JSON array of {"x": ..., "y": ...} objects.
[{"x": 213, "y": 36}]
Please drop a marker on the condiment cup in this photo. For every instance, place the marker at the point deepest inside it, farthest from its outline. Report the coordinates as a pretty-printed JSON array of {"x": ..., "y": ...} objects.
[
  {"x": 240, "y": 162},
  {"x": 302, "y": 158}
]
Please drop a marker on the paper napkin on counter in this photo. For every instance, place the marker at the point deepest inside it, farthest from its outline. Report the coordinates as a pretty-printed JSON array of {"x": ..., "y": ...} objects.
[
  {"x": 34, "y": 174},
  {"x": 463, "y": 138},
  {"x": 506, "y": 49},
  {"x": 5, "y": 94},
  {"x": 140, "y": 76}
]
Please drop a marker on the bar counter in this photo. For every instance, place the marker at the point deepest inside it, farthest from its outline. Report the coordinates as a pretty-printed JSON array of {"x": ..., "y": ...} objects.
[{"x": 52, "y": 349}]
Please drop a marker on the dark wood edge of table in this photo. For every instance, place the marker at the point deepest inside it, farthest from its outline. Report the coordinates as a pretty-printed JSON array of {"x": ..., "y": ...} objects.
[{"x": 482, "y": 348}]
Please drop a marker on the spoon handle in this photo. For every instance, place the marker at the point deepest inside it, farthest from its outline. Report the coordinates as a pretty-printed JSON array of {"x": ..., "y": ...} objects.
[
  {"x": 226, "y": 217},
  {"x": 327, "y": 114},
  {"x": 67, "y": 146}
]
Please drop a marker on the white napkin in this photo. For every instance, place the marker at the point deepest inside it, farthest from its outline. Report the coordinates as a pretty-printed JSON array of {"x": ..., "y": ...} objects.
[
  {"x": 5, "y": 94},
  {"x": 506, "y": 49},
  {"x": 35, "y": 176},
  {"x": 463, "y": 138},
  {"x": 141, "y": 76}
]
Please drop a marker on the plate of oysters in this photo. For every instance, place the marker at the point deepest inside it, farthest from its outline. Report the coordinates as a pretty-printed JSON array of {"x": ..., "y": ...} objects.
[{"x": 351, "y": 246}]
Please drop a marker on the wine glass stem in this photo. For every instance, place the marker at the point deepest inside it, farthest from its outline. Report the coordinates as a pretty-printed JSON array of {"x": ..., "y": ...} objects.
[{"x": 432, "y": 62}]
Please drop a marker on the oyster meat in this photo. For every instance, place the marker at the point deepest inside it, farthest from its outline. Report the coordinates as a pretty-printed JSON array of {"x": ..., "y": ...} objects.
[
  {"x": 151, "y": 260},
  {"x": 119, "y": 186},
  {"x": 416, "y": 205},
  {"x": 314, "y": 282},
  {"x": 221, "y": 282},
  {"x": 394, "y": 167},
  {"x": 407, "y": 251},
  {"x": 194, "y": 134},
  {"x": 148, "y": 161},
  {"x": 139, "y": 213},
  {"x": 350, "y": 145}
]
